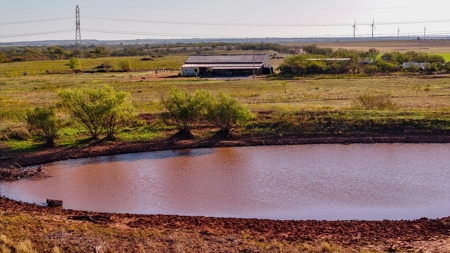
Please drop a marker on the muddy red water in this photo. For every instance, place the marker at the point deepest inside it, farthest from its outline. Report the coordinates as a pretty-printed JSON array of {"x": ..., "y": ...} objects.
[{"x": 325, "y": 182}]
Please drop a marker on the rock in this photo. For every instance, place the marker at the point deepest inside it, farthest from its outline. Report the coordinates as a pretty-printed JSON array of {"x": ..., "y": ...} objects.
[{"x": 54, "y": 203}]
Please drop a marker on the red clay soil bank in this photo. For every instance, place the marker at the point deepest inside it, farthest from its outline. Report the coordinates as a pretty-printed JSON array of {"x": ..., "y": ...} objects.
[{"x": 422, "y": 233}]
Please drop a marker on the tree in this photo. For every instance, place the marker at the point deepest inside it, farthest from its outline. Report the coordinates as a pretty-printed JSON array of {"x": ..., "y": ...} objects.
[
  {"x": 226, "y": 112},
  {"x": 99, "y": 109},
  {"x": 74, "y": 63},
  {"x": 86, "y": 105},
  {"x": 119, "y": 110},
  {"x": 57, "y": 52},
  {"x": 125, "y": 65},
  {"x": 3, "y": 57},
  {"x": 101, "y": 51},
  {"x": 45, "y": 121},
  {"x": 185, "y": 108}
]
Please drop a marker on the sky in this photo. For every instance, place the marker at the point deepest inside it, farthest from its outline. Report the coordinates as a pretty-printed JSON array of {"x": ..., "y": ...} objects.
[{"x": 32, "y": 20}]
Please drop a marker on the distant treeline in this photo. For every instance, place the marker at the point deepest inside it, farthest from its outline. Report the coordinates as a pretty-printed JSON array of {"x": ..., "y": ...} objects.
[
  {"x": 317, "y": 60},
  {"x": 18, "y": 54}
]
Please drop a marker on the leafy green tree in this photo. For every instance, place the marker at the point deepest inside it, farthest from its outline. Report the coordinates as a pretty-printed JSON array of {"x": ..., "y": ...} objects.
[
  {"x": 74, "y": 63},
  {"x": 45, "y": 121},
  {"x": 99, "y": 109},
  {"x": 3, "y": 57},
  {"x": 185, "y": 108},
  {"x": 227, "y": 113},
  {"x": 119, "y": 110},
  {"x": 314, "y": 49},
  {"x": 373, "y": 53},
  {"x": 435, "y": 59},
  {"x": 57, "y": 52},
  {"x": 370, "y": 69},
  {"x": 125, "y": 65},
  {"x": 101, "y": 51},
  {"x": 87, "y": 106}
]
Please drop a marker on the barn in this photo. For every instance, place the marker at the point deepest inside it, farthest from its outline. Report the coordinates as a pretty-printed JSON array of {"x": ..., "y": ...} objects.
[{"x": 227, "y": 65}]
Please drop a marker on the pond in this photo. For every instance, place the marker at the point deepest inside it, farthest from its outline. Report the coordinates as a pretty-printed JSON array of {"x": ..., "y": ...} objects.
[{"x": 324, "y": 182}]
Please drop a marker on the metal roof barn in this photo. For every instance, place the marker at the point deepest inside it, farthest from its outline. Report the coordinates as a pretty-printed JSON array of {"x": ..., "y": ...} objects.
[{"x": 226, "y": 65}]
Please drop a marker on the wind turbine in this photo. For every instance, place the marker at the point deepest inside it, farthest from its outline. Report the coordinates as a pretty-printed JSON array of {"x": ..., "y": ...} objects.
[
  {"x": 398, "y": 31},
  {"x": 354, "y": 29},
  {"x": 373, "y": 26},
  {"x": 424, "y": 32}
]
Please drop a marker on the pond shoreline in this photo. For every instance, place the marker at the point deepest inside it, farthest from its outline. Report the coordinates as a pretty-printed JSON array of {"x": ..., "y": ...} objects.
[
  {"x": 102, "y": 148},
  {"x": 426, "y": 235}
]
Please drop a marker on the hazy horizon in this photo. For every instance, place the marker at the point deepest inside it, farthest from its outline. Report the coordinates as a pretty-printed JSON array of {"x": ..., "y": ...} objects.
[{"x": 26, "y": 20}]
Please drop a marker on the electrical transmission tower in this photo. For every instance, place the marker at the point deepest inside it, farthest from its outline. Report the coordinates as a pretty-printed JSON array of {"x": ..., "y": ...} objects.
[{"x": 78, "y": 29}]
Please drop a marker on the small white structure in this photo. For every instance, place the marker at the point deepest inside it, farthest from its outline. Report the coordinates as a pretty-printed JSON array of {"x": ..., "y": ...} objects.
[
  {"x": 420, "y": 65},
  {"x": 188, "y": 71}
]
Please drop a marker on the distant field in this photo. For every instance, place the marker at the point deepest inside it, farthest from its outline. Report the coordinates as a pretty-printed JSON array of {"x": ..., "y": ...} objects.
[
  {"x": 441, "y": 47},
  {"x": 418, "y": 97},
  {"x": 426, "y": 93},
  {"x": 40, "y": 67}
]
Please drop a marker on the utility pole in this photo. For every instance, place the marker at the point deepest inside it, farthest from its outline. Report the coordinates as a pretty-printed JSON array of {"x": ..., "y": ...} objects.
[
  {"x": 253, "y": 66},
  {"x": 77, "y": 29}
]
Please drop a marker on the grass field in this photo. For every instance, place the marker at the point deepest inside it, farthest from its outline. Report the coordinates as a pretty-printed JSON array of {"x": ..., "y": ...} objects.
[
  {"x": 439, "y": 47},
  {"x": 417, "y": 97},
  {"x": 16, "y": 69}
]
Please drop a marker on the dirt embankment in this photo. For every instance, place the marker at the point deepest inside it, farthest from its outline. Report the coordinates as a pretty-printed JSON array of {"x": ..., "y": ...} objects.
[
  {"x": 423, "y": 235},
  {"x": 112, "y": 148}
]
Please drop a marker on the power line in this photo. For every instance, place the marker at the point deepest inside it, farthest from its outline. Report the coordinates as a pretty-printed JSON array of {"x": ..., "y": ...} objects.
[
  {"x": 410, "y": 34},
  {"x": 241, "y": 36},
  {"x": 152, "y": 33},
  {"x": 264, "y": 25},
  {"x": 35, "y": 21},
  {"x": 33, "y": 34},
  {"x": 247, "y": 9}
]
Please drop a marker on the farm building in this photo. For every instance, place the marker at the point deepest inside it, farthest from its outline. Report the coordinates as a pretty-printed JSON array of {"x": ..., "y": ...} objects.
[
  {"x": 226, "y": 65},
  {"x": 420, "y": 65}
]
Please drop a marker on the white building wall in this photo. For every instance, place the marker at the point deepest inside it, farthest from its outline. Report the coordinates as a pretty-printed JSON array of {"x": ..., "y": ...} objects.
[
  {"x": 422, "y": 65},
  {"x": 188, "y": 72}
]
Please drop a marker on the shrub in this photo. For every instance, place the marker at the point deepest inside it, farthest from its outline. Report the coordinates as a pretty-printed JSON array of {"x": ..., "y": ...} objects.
[
  {"x": 19, "y": 133},
  {"x": 98, "y": 109},
  {"x": 185, "y": 108},
  {"x": 119, "y": 111},
  {"x": 376, "y": 102},
  {"x": 44, "y": 120},
  {"x": 370, "y": 69},
  {"x": 226, "y": 112},
  {"x": 74, "y": 64},
  {"x": 125, "y": 65}
]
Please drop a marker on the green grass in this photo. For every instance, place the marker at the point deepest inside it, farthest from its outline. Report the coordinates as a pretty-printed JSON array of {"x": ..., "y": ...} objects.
[
  {"x": 17, "y": 69},
  {"x": 421, "y": 94},
  {"x": 446, "y": 56}
]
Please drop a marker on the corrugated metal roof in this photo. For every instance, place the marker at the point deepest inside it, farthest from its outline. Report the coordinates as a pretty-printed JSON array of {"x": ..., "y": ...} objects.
[
  {"x": 224, "y": 66},
  {"x": 236, "y": 58}
]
